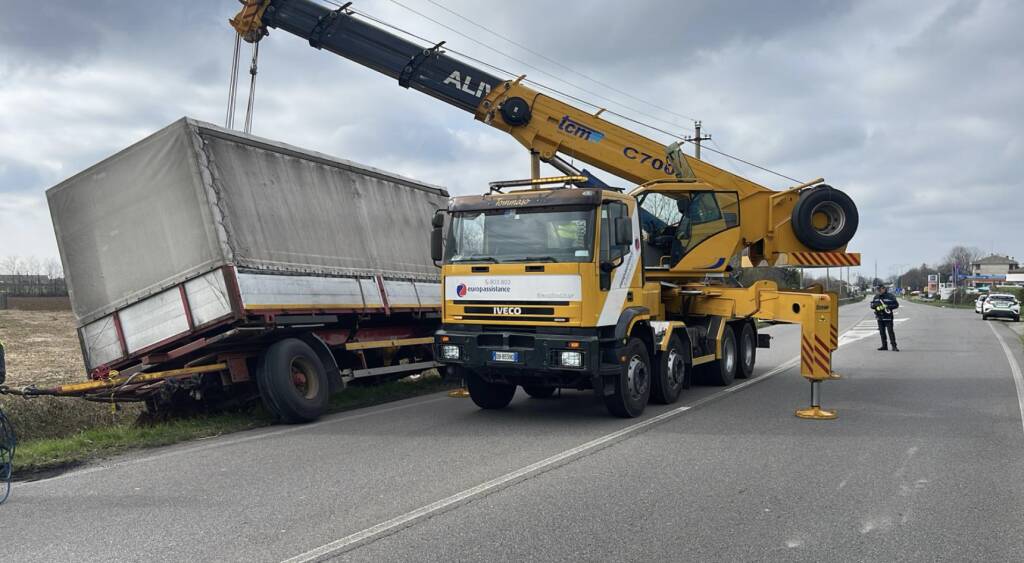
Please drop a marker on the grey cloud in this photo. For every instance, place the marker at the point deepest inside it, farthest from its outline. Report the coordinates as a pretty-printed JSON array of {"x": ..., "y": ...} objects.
[{"x": 910, "y": 106}]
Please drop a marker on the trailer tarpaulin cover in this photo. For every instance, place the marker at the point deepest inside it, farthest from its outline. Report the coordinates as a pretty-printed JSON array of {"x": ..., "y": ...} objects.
[{"x": 194, "y": 196}]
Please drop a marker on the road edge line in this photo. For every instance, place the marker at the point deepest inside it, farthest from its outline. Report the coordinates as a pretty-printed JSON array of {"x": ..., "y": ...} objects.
[{"x": 1015, "y": 372}]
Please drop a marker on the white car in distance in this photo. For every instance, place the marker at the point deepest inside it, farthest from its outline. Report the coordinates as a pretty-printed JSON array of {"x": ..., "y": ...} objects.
[{"x": 1001, "y": 305}]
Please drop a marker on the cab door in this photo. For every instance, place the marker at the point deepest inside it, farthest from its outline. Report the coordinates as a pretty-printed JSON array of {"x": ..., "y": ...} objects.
[{"x": 709, "y": 233}]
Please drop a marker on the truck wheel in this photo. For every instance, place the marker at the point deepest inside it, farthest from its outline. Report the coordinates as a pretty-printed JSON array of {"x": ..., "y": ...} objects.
[
  {"x": 747, "y": 352},
  {"x": 633, "y": 382},
  {"x": 292, "y": 381},
  {"x": 668, "y": 382},
  {"x": 723, "y": 370},
  {"x": 824, "y": 218},
  {"x": 539, "y": 392},
  {"x": 488, "y": 395}
]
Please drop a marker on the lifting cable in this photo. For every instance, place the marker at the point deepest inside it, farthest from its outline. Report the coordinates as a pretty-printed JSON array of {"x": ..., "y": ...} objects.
[
  {"x": 229, "y": 119},
  {"x": 252, "y": 87}
]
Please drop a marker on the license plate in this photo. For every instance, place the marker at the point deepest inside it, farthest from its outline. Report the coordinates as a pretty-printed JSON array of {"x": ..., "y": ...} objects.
[{"x": 505, "y": 356}]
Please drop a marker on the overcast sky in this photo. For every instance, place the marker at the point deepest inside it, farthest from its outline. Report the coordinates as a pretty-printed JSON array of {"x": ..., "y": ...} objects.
[{"x": 913, "y": 108}]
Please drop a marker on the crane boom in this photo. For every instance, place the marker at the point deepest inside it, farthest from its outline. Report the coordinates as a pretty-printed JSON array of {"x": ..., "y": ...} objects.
[{"x": 551, "y": 126}]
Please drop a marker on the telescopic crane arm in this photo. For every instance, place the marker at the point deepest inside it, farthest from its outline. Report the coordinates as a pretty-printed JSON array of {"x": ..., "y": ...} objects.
[{"x": 542, "y": 124}]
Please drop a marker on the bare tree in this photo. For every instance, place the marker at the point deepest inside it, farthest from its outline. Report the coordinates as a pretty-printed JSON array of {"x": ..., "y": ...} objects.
[
  {"x": 31, "y": 266},
  {"x": 10, "y": 265},
  {"x": 962, "y": 256},
  {"x": 53, "y": 268}
]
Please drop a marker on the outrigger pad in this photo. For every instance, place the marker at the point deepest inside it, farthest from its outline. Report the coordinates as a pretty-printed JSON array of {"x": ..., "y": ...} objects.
[{"x": 816, "y": 413}]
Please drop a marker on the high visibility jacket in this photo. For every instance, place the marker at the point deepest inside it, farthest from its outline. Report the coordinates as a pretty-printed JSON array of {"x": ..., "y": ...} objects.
[{"x": 883, "y": 305}]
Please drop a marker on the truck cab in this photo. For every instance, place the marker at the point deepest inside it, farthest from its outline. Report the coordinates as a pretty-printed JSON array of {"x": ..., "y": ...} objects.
[{"x": 534, "y": 284}]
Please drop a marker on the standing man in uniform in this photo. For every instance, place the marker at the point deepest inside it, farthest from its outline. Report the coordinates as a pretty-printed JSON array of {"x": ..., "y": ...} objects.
[{"x": 883, "y": 305}]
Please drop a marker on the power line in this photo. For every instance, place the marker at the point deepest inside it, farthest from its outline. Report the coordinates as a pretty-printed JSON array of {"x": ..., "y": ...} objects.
[
  {"x": 577, "y": 99},
  {"x": 556, "y": 63},
  {"x": 528, "y": 65}
]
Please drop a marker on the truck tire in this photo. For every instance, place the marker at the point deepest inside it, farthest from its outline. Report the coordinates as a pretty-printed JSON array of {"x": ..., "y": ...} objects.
[
  {"x": 824, "y": 218},
  {"x": 488, "y": 395},
  {"x": 747, "y": 352},
  {"x": 538, "y": 391},
  {"x": 292, "y": 381},
  {"x": 632, "y": 385},
  {"x": 671, "y": 373},
  {"x": 723, "y": 370}
]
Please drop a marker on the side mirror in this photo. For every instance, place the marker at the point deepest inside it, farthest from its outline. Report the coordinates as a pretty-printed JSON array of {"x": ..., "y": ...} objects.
[
  {"x": 436, "y": 237},
  {"x": 623, "y": 231}
]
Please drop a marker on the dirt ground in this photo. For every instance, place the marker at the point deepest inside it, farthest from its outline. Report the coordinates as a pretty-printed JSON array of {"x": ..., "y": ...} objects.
[
  {"x": 39, "y": 303},
  {"x": 42, "y": 349}
]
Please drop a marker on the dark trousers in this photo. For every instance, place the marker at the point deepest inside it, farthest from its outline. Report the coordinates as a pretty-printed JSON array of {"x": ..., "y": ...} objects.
[{"x": 885, "y": 325}]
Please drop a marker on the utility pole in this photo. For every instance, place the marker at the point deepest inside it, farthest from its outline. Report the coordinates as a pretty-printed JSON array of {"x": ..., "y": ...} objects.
[{"x": 696, "y": 139}]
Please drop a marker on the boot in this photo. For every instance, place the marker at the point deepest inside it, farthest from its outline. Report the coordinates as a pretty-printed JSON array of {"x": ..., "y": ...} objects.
[
  {"x": 894, "y": 348},
  {"x": 884, "y": 347}
]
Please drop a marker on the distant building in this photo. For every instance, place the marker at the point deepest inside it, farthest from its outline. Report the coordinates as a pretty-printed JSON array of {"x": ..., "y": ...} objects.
[
  {"x": 994, "y": 264},
  {"x": 1015, "y": 277},
  {"x": 992, "y": 270}
]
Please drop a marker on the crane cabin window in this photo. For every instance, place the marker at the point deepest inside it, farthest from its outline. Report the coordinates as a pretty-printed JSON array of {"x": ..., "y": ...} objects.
[
  {"x": 545, "y": 234},
  {"x": 674, "y": 223}
]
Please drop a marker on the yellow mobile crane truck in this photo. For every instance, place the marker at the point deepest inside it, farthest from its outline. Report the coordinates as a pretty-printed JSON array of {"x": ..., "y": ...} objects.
[{"x": 589, "y": 286}]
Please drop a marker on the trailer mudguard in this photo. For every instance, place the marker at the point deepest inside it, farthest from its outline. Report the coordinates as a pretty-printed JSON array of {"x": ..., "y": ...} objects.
[{"x": 327, "y": 358}]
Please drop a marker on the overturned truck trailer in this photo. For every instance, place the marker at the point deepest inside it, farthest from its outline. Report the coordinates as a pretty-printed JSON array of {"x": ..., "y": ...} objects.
[{"x": 204, "y": 264}]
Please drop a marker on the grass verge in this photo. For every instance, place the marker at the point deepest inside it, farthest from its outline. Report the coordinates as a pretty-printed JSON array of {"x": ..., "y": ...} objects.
[{"x": 45, "y": 455}]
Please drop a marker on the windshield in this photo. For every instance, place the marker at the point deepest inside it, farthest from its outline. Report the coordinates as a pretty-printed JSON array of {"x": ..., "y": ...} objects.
[
  {"x": 1002, "y": 299},
  {"x": 545, "y": 234}
]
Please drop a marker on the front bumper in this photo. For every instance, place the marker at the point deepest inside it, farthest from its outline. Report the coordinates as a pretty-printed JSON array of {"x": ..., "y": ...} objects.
[{"x": 537, "y": 354}]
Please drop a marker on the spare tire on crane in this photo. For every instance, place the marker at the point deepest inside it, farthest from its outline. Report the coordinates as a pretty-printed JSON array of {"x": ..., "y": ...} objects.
[{"x": 824, "y": 218}]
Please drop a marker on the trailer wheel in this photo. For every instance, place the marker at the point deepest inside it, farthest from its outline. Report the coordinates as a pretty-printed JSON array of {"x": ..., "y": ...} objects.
[
  {"x": 723, "y": 370},
  {"x": 538, "y": 391},
  {"x": 668, "y": 382},
  {"x": 632, "y": 385},
  {"x": 292, "y": 381},
  {"x": 824, "y": 218},
  {"x": 488, "y": 395},
  {"x": 747, "y": 352}
]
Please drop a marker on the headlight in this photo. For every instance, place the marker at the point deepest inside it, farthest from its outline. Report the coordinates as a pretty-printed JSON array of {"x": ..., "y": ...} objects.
[
  {"x": 571, "y": 359},
  {"x": 450, "y": 352}
]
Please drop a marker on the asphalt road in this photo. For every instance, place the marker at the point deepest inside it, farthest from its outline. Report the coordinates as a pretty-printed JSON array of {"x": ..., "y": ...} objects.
[{"x": 923, "y": 464}]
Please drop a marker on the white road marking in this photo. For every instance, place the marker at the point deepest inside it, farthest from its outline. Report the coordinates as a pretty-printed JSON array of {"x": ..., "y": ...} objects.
[
  {"x": 864, "y": 329},
  {"x": 352, "y": 541},
  {"x": 1018, "y": 377}
]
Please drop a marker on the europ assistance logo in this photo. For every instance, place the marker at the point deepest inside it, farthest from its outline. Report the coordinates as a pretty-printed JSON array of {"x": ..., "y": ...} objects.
[{"x": 461, "y": 290}]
